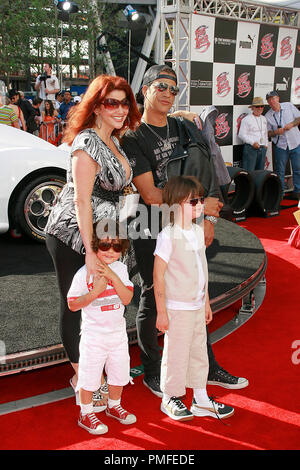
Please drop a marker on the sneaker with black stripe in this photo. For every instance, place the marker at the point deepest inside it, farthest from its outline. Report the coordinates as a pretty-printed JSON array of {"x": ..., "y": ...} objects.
[
  {"x": 153, "y": 383},
  {"x": 224, "y": 379},
  {"x": 216, "y": 410},
  {"x": 176, "y": 410}
]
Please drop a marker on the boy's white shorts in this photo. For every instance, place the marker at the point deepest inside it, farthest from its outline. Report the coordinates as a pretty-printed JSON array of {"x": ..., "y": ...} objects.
[{"x": 99, "y": 351}]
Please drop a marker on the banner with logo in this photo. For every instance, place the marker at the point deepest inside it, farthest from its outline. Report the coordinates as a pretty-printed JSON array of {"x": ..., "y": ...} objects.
[
  {"x": 246, "y": 43},
  {"x": 287, "y": 41},
  {"x": 244, "y": 84},
  {"x": 225, "y": 41},
  {"x": 223, "y": 84},
  {"x": 267, "y": 45},
  {"x": 203, "y": 33},
  {"x": 234, "y": 61}
]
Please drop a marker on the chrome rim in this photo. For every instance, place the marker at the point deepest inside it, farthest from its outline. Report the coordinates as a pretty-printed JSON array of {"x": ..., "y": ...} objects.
[{"x": 39, "y": 203}]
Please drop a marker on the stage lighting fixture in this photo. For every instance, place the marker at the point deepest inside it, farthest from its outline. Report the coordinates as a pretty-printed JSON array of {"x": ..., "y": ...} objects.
[
  {"x": 130, "y": 13},
  {"x": 66, "y": 6}
]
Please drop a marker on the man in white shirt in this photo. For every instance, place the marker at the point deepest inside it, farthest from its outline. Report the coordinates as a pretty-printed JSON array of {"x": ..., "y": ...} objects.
[
  {"x": 253, "y": 132},
  {"x": 47, "y": 84},
  {"x": 283, "y": 120}
]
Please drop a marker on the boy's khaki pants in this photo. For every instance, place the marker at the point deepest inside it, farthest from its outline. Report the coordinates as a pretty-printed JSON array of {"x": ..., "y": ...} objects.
[{"x": 184, "y": 360}]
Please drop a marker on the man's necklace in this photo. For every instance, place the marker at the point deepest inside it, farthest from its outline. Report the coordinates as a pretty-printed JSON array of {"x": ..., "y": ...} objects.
[
  {"x": 260, "y": 128},
  {"x": 166, "y": 142}
]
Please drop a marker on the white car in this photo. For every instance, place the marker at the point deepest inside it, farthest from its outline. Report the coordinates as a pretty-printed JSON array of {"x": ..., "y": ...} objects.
[{"x": 32, "y": 175}]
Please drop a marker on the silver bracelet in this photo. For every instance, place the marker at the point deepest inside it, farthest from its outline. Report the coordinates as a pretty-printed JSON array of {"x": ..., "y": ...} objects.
[{"x": 211, "y": 218}]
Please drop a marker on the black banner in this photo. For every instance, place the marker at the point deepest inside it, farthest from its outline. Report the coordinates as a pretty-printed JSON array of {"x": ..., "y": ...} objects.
[
  {"x": 201, "y": 83},
  {"x": 244, "y": 84},
  {"x": 283, "y": 82},
  {"x": 267, "y": 45},
  {"x": 225, "y": 41},
  {"x": 223, "y": 126}
]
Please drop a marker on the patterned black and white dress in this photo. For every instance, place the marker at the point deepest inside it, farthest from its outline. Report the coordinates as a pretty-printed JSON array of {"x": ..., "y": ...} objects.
[{"x": 108, "y": 187}]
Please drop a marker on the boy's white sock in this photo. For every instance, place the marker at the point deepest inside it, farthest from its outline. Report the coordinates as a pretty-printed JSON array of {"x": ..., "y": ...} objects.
[
  {"x": 201, "y": 397},
  {"x": 85, "y": 409},
  {"x": 166, "y": 398},
  {"x": 111, "y": 403}
]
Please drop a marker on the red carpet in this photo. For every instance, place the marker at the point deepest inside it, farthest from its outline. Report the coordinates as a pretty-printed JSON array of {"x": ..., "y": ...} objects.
[{"x": 264, "y": 350}]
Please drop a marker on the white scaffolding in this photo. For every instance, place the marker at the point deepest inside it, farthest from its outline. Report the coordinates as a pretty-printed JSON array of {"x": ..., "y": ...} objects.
[{"x": 175, "y": 30}]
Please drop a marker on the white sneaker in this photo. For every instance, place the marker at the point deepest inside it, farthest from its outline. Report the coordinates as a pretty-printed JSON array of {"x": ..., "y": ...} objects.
[
  {"x": 216, "y": 410},
  {"x": 176, "y": 410}
]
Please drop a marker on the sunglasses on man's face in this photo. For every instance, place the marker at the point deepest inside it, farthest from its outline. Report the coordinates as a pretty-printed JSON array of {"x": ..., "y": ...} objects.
[
  {"x": 261, "y": 106},
  {"x": 164, "y": 86},
  {"x": 112, "y": 103},
  {"x": 194, "y": 201},
  {"x": 105, "y": 246}
]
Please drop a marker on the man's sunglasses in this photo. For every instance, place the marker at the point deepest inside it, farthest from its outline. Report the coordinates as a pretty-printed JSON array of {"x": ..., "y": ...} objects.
[
  {"x": 261, "y": 106},
  {"x": 105, "y": 246},
  {"x": 193, "y": 202},
  {"x": 111, "y": 103},
  {"x": 164, "y": 86}
]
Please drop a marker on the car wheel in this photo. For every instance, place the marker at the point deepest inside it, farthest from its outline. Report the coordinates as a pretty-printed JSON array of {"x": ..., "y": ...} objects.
[{"x": 35, "y": 202}]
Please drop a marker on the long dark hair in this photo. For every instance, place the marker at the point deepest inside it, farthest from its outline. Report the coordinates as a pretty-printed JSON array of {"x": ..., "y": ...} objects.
[{"x": 49, "y": 112}]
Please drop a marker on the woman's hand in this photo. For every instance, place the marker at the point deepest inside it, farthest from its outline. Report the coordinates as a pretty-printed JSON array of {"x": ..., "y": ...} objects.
[{"x": 93, "y": 265}]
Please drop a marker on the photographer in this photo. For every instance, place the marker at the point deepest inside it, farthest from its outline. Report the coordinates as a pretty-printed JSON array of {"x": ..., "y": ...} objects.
[{"x": 47, "y": 84}]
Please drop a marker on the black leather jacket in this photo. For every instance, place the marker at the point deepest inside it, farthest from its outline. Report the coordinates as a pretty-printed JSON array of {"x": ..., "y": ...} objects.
[{"x": 192, "y": 158}]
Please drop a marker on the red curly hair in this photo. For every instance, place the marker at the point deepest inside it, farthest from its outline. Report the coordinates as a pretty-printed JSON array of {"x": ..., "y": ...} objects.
[{"x": 82, "y": 116}]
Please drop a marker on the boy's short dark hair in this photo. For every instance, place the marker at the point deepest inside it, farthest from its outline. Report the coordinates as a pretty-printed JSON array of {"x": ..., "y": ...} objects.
[
  {"x": 109, "y": 229},
  {"x": 178, "y": 188}
]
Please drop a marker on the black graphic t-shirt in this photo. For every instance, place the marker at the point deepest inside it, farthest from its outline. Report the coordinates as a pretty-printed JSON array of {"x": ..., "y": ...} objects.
[
  {"x": 146, "y": 152},
  {"x": 109, "y": 183}
]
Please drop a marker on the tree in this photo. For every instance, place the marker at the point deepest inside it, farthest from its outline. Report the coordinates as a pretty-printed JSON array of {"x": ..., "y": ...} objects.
[{"x": 31, "y": 34}]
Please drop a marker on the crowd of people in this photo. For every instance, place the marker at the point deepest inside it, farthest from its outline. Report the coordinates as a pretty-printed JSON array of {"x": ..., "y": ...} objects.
[
  {"x": 46, "y": 114},
  {"x": 112, "y": 146}
]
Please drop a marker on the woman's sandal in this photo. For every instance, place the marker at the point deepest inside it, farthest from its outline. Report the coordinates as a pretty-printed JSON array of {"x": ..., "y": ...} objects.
[{"x": 99, "y": 401}]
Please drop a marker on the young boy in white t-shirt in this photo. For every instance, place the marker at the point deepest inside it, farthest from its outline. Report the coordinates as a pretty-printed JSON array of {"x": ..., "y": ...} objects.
[
  {"x": 183, "y": 308},
  {"x": 104, "y": 340}
]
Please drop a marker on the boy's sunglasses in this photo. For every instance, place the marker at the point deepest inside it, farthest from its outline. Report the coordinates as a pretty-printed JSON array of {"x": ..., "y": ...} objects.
[
  {"x": 193, "y": 202},
  {"x": 164, "y": 86},
  {"x": 111, "y": 103},
  {"x": 105, "y": 246}
]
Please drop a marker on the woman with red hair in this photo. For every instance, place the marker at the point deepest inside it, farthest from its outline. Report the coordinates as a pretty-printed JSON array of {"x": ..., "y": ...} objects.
[{"x": 97, "y": 174}]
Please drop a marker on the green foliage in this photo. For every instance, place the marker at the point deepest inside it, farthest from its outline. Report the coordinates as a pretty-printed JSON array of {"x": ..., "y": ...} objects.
[{"x": 31, "y": 33}]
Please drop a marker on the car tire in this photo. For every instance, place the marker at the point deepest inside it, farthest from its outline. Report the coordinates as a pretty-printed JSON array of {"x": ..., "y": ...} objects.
[{"x": 34, "y": 204}]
